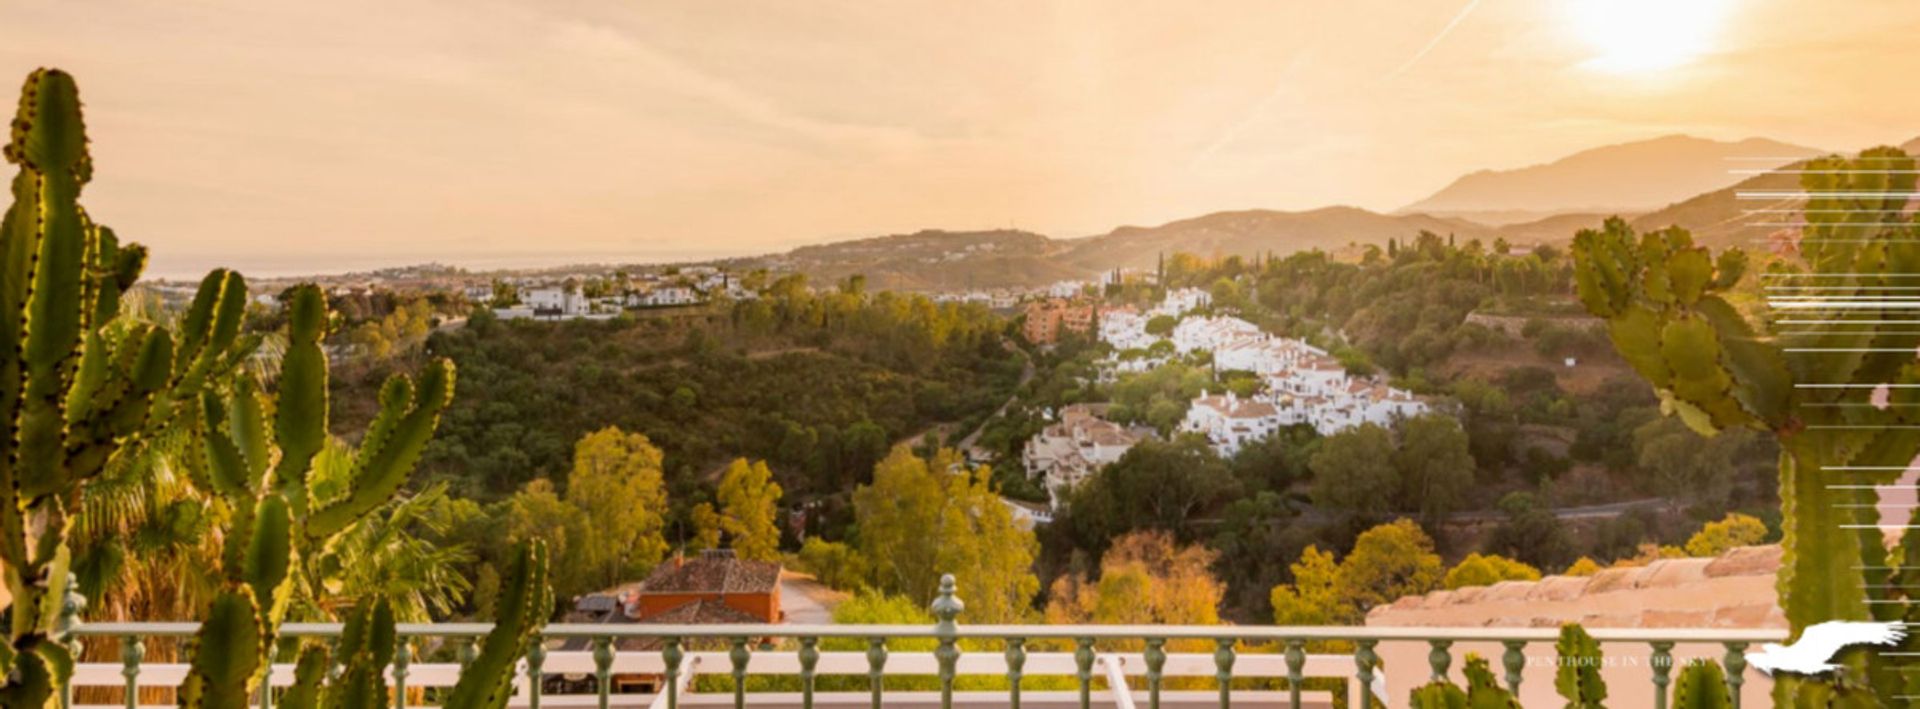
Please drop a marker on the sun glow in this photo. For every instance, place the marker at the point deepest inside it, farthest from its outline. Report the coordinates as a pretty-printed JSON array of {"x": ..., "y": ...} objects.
[{"x": 1634, "y": 36}]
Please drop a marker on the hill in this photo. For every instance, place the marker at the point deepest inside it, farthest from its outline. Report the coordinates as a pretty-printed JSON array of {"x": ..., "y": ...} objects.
[
  {"x": 1629, "y": 177},
  {"x": 1250, "y": 232},
  {"x": 933, "y": 260}
]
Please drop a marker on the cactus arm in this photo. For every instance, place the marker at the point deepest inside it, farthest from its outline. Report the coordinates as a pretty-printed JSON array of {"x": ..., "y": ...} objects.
[
  {"x": 247, "y": 426},
  {"x": 300, "y": 417},
  {"x": 230, "y": 645},
  {"x": 1577, "y": 676},
  {"x": 226, "y": 467},
  {"x": 269, "y": 556},
  {"x": 1702, "y": 685},
  {"x": 53, "y": 149},
  {"x": 308, "y": 672},
  {"x": 383, "y": 465},
  {"x": 525, "y": 601}
]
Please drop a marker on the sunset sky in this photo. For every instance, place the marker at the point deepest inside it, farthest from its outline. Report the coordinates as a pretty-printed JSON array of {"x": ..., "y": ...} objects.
[{"x": 285, "y": 137}]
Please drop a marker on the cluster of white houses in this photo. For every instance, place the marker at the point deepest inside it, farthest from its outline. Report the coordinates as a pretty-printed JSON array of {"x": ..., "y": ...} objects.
[
  {"x": 695, "y": 284},
  {"x": 1302, "y": 384}
]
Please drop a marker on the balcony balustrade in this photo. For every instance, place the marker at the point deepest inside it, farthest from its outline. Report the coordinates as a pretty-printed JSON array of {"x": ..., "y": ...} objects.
[{"x": 1035, "y": 666}]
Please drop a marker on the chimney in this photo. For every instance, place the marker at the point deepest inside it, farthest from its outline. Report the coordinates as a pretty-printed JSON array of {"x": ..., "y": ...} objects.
[{"x": 679, "y": 558}]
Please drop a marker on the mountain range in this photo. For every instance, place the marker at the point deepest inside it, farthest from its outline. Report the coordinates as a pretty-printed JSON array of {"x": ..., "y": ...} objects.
[{"x": 1673, "y": 180}]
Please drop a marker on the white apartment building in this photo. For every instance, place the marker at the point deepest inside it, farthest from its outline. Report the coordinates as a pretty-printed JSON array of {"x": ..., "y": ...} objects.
[
  {"x": 1081, "y": 443},
  {"x": 1229, "y": 421},
  {"x": 1211, "y": 334},
  {"x": 1125, "y": 329}
]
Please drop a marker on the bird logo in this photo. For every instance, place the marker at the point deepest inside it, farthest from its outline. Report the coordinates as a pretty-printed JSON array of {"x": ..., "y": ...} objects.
[{"x": 1818, "y": 644}]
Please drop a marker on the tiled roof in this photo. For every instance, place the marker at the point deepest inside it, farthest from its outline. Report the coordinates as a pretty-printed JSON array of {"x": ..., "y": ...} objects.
[
  {"x": 1734, "y": 590},
  {"x": 713, "y": 573}
]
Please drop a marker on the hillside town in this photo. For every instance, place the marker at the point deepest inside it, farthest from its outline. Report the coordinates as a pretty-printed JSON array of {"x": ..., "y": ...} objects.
[{"x": 1299, "y": 384}]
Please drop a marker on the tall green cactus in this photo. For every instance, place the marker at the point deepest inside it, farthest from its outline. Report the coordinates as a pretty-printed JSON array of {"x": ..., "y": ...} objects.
[
  {"x": 259, "y": 470},
  {"x": 1843, "y": 399},
  {"x": 1702, "y": 685},
  {"x": 77, "y": 387},
  {"x": 526, "y": 599},
  {"x": 1577, "y": 678}
]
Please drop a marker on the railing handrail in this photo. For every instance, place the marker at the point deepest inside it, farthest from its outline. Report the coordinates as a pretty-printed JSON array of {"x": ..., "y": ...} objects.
[{"x": 996, "y": 632}]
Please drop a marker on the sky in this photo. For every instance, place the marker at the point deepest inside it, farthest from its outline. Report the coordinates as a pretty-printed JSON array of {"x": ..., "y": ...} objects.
[{"x": 286, "y": 137}]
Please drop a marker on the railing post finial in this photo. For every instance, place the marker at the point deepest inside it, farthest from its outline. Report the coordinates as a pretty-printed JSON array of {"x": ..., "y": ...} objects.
[{"x": 946, "y": 606}]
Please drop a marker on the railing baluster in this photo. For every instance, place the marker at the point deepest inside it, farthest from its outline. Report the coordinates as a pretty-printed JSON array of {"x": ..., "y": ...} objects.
[
  {"x": 1083, "y": 661},
  {"x": 1515, "y": 661},
  {"x": 1156, "y": 657},
  {"x": 603, "y": 669},
  {"x": 468, "y": 651},
  {"x": 809, "y": 659},
  {"x": 672, "y": 655},
  {"x": 1016, "y": 669},
  {"x": 536, "y": 679},
  {"x": 876, "y": 667},
  {"x": 946, "y": 607},
  {"x": 1363, "y": 661},
  {"x": 1736, "y": 663},
  {"x": 1296, "y": 670},
  {"x": 1223, "y": 663},
  {"x": 402, "y": 656},
  {"x": 1662, "y": 664},
  {"x": 1440, "y": 657},
  {"x": 132, "y": 652},
  {"x": 739, "y": 655}
]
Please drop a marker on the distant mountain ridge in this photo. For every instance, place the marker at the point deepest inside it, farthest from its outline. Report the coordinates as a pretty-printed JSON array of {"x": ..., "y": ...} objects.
[
  {"x": 1640, "y": 176},
  {"x": 934, "y": 260}
]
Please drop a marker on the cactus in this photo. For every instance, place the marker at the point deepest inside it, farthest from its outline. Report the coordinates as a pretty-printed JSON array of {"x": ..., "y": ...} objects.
[
  {"x": 526, "y": 599},
  {"x": 1702, "y": 685},
  {"x": 260, "y": 473},
  {"x": 1577, "y": 678},
  {"x": 78, "y": 387},
  {"x": 1667, "y": 314},
  {"x": 368, "y": 641},
  {"x": 1438, "y": 694},
  {"x": 1483, "y": 691}
]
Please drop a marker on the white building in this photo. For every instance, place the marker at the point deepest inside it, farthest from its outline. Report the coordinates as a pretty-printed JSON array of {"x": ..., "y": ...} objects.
[
  {"x": 665, "y": 295},
  {"x": 1081, "y": 443},
  {"x": 1125, "y": 329},
  {"x": 1178, "y": 302},
  {"x": 1230, "y": 422},
  {"x": 1211, "y": 334},
  {"x": 555, "y": 300}
]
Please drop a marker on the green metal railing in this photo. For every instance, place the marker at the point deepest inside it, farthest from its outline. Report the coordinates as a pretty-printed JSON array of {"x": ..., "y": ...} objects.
[{"x": 1232, "y": 658}]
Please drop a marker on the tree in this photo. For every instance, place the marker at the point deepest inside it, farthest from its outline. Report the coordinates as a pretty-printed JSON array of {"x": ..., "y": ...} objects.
[
  {"x": 1487, "y": 570},
  {"x": 749, "y": 502},
  {"x": 1389, "y": 561},
  {"x": 1530, "y": 533},
  {"x": 924, "y": 517},
  {"x": 835, "y": 564},
  {"x": 1156, "y": 484},
  {"x": 617, "y": 487},
  {"x": 1435, "y": 466},
  {"x": 1161, "y": 325},
  {"x": 1353, "y": 471},
  {"x": 1716, "y": 538},
  {"x": 706, "y": 527},
  {"x": 538, "y": 512},
  {"x": 1314, "y": 597},
  {"x": 1145, "y": 579},
  {"x": 1682, "y": 465}
]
